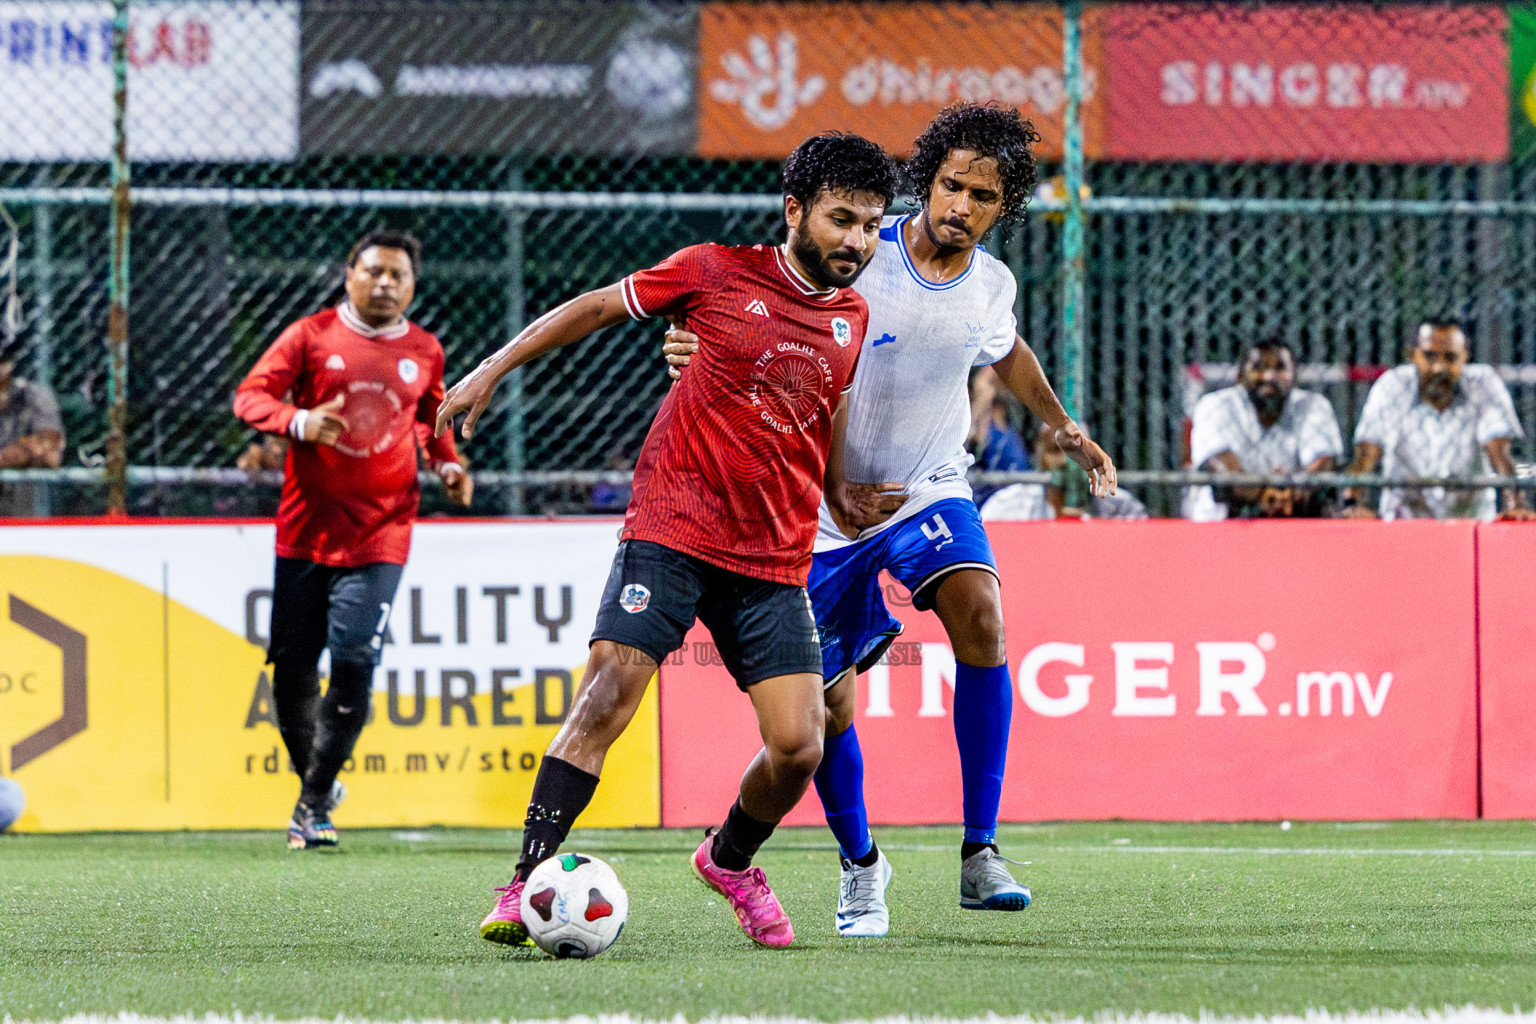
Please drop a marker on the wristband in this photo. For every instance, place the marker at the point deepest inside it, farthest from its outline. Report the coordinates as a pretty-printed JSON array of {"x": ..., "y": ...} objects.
[{"x": 296, "y": 425}]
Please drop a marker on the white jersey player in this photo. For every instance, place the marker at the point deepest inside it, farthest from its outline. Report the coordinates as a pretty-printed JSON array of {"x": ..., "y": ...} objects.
[{"x": 897, "y": 498}]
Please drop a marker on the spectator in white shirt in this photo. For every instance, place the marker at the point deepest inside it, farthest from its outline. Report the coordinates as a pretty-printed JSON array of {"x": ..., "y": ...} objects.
[
  {"x": 1263, "y": 424},
  {"x": 1437, "y": 416}
]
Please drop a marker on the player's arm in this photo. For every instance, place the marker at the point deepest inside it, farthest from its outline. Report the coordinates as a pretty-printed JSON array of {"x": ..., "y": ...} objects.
[
  {"x": 259, "y": 400},
  {"x": 1021, "y": 374},
  {"x": 855, "y": 507},
  {"x": 561, "y": 326},
  {"x": 442, "y": 455}
]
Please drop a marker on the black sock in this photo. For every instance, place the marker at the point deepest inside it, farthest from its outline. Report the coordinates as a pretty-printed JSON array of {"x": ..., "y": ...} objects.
[
  {"x": 869, "y": 858},
  {"x": 561, "y": 791},
  {"x": 343, "y": 713},
  {"x": 739, "y": 839},
  {"x": 296, "y": 700},
  {"x": 969, "y": 850}
]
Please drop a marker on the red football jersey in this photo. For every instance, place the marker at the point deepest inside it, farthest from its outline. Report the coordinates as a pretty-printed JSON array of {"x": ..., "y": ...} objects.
[
  {"x": 732, "y": 468},
  {"x": 354, "y": 503}
]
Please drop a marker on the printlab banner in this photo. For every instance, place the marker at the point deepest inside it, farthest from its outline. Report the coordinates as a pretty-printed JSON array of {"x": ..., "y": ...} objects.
[
  {"x": 134, "y": 694},
  {"x": 1247, "y": 671},
  {"x": 493, "y": 78},
  {"x": 771, "y": 74},
  {"x": 207, "y": 81},
  {"x": 1412, "y": 83}
]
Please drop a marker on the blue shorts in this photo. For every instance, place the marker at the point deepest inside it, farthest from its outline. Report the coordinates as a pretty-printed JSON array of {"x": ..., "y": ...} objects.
[{"x": 852, "y": 621}]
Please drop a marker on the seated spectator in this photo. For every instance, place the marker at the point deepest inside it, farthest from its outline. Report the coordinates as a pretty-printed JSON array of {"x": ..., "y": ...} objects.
[
  {"x": 1024, "y": 502},
  {"x": 1437, "y": 416},
  {"x": 1263, "y": 424},
  {"x": 997, "y": 446},
  {"x": 31, "y": 435}
]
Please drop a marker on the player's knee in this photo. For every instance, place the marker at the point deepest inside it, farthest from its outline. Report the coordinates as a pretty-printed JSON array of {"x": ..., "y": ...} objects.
[
  {"x": 798, "y": 756},
  {"x": 981, "y": 641},
  {"x": 608, "y": 694}
]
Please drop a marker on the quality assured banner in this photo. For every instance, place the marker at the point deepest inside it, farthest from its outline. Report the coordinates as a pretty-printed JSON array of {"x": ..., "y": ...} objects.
[
  {"x": 206, "y": 81},
  {"x": 477, "y": 77},
  {"x": 134, "y": 694},
  {"x": 772, "y": 74},
  {"x": 1411, "y": 83},
  {"x": 1249, "y": 671}
]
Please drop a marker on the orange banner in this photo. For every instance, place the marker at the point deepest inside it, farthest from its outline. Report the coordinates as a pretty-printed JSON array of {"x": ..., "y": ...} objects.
[{"x": 772, "y": 74}]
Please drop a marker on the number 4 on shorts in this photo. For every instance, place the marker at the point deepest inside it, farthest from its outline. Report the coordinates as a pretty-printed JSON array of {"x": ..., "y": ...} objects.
[{"x": 939, "y": 529}]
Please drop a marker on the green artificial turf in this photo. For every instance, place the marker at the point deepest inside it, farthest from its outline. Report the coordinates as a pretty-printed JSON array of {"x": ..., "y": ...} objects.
[{"x": 1232, "y": 919}]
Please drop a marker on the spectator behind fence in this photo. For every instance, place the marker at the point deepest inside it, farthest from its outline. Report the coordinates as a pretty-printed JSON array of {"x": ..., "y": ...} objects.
[
  {"x": 1022, "y": 502},
  {"x": 1437, "y": 416},
  {"x": 998, "y": 447},
  {"x": 1263, "y": 424},
  {"x": 31, "y": 434}
]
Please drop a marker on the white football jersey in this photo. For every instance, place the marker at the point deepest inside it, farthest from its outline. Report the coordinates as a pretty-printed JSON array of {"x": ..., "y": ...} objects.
[{"x": 909, "y": 410}]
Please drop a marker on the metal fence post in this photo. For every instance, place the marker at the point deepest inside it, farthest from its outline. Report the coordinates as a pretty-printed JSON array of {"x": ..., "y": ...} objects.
[
  {"x": 117, "y": 280},
  {"x": 1074, "y": 264},
  {"x": 517, "y": 318}
]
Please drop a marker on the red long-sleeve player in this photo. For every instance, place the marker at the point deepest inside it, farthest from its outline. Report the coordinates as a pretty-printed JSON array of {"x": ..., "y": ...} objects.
[{"x": 356, "y": 389}]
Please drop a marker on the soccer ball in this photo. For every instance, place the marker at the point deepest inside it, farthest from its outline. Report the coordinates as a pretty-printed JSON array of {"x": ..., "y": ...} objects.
[
  {"x": 574, "y": 906},
  {"x": 12, "y": 802}
]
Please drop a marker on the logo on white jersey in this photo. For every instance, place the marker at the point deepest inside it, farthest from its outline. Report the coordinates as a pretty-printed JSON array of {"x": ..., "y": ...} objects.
[
  {"x": 633, "y": 598},
  {"x": 335, "y": 362},
  {"x": 841, "y": 332},
  {"x": 409, "y": 371},
  {"x": 757, "y": 306}
]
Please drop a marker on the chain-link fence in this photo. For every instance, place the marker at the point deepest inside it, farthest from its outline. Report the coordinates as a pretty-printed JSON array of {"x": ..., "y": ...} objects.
[{"x": 1326, "y": 174}]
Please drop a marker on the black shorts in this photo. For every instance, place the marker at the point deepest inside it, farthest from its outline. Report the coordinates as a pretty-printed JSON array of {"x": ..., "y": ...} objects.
[
  {"x": 760, "y": 629},
  {"x": 318, "y": 606}
]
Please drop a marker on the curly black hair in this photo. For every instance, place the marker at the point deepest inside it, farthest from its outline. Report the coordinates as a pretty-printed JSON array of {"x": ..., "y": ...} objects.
[
  {"x": 839, "y": 162},
  {"x": 1001, "y": 133},
  {"x": 386, "y": 238}
]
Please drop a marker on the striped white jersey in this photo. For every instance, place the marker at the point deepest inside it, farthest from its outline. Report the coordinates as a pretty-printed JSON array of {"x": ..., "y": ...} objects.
[{"x": 909, "y": 410}]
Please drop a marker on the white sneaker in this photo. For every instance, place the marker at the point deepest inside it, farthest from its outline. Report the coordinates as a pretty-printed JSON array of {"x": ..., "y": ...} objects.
[
  {"x": 985, "y": 883},
  {"x": 861, "y": 909}
]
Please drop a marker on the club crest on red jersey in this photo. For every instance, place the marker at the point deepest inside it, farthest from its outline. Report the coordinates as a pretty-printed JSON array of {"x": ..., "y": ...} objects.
[
  {"x": 409, "y": 371},
  {"x": 634, "y": 597},
  {"x": 842, "y": 333}
]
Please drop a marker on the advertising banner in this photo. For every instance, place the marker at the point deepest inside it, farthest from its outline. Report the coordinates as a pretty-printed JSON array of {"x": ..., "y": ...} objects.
[
  {"x": 1163, "y": 670},
  {"x": 1522, "y": 82},
  {"x": 1413, "y": 83},
  {"x": 134, "y": 694},
  {"x": 1506, "y": 577},
  {"x": 482, "y": 77},
  {"x": 772, "y": 74},
  {"x": 207, "y": 81}
]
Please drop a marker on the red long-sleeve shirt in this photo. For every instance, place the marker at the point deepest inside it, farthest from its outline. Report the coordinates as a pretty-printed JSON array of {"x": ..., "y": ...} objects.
[{"x": 353, "y": 503}]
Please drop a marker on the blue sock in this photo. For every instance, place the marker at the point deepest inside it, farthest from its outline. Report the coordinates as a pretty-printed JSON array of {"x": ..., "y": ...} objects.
[
  {"x": 983, "y": 711},
  {"x": 840, "y": 784}
]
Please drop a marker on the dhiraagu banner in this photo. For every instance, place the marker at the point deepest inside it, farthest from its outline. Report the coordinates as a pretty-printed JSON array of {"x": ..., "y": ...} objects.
[
  {"x": 134, "y": 694},
  {"x": 1522, "y": 80}
]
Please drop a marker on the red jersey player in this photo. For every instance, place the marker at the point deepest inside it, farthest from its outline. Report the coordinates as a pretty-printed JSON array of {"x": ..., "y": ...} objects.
[
  {"x": 364, "y": 383},
  {"x": 724, "y": 511}
]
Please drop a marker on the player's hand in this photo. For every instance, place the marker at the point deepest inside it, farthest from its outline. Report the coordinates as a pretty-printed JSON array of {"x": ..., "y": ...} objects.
[
  {"x": 1082, "y": 449},
  {"x": 459, "y": 484},
  {"x": 679, "y": 349},
  {"x": 857, "y": 507},
  {"x": 470, "y": 395},
  {"x": 325, "y": 425}
]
